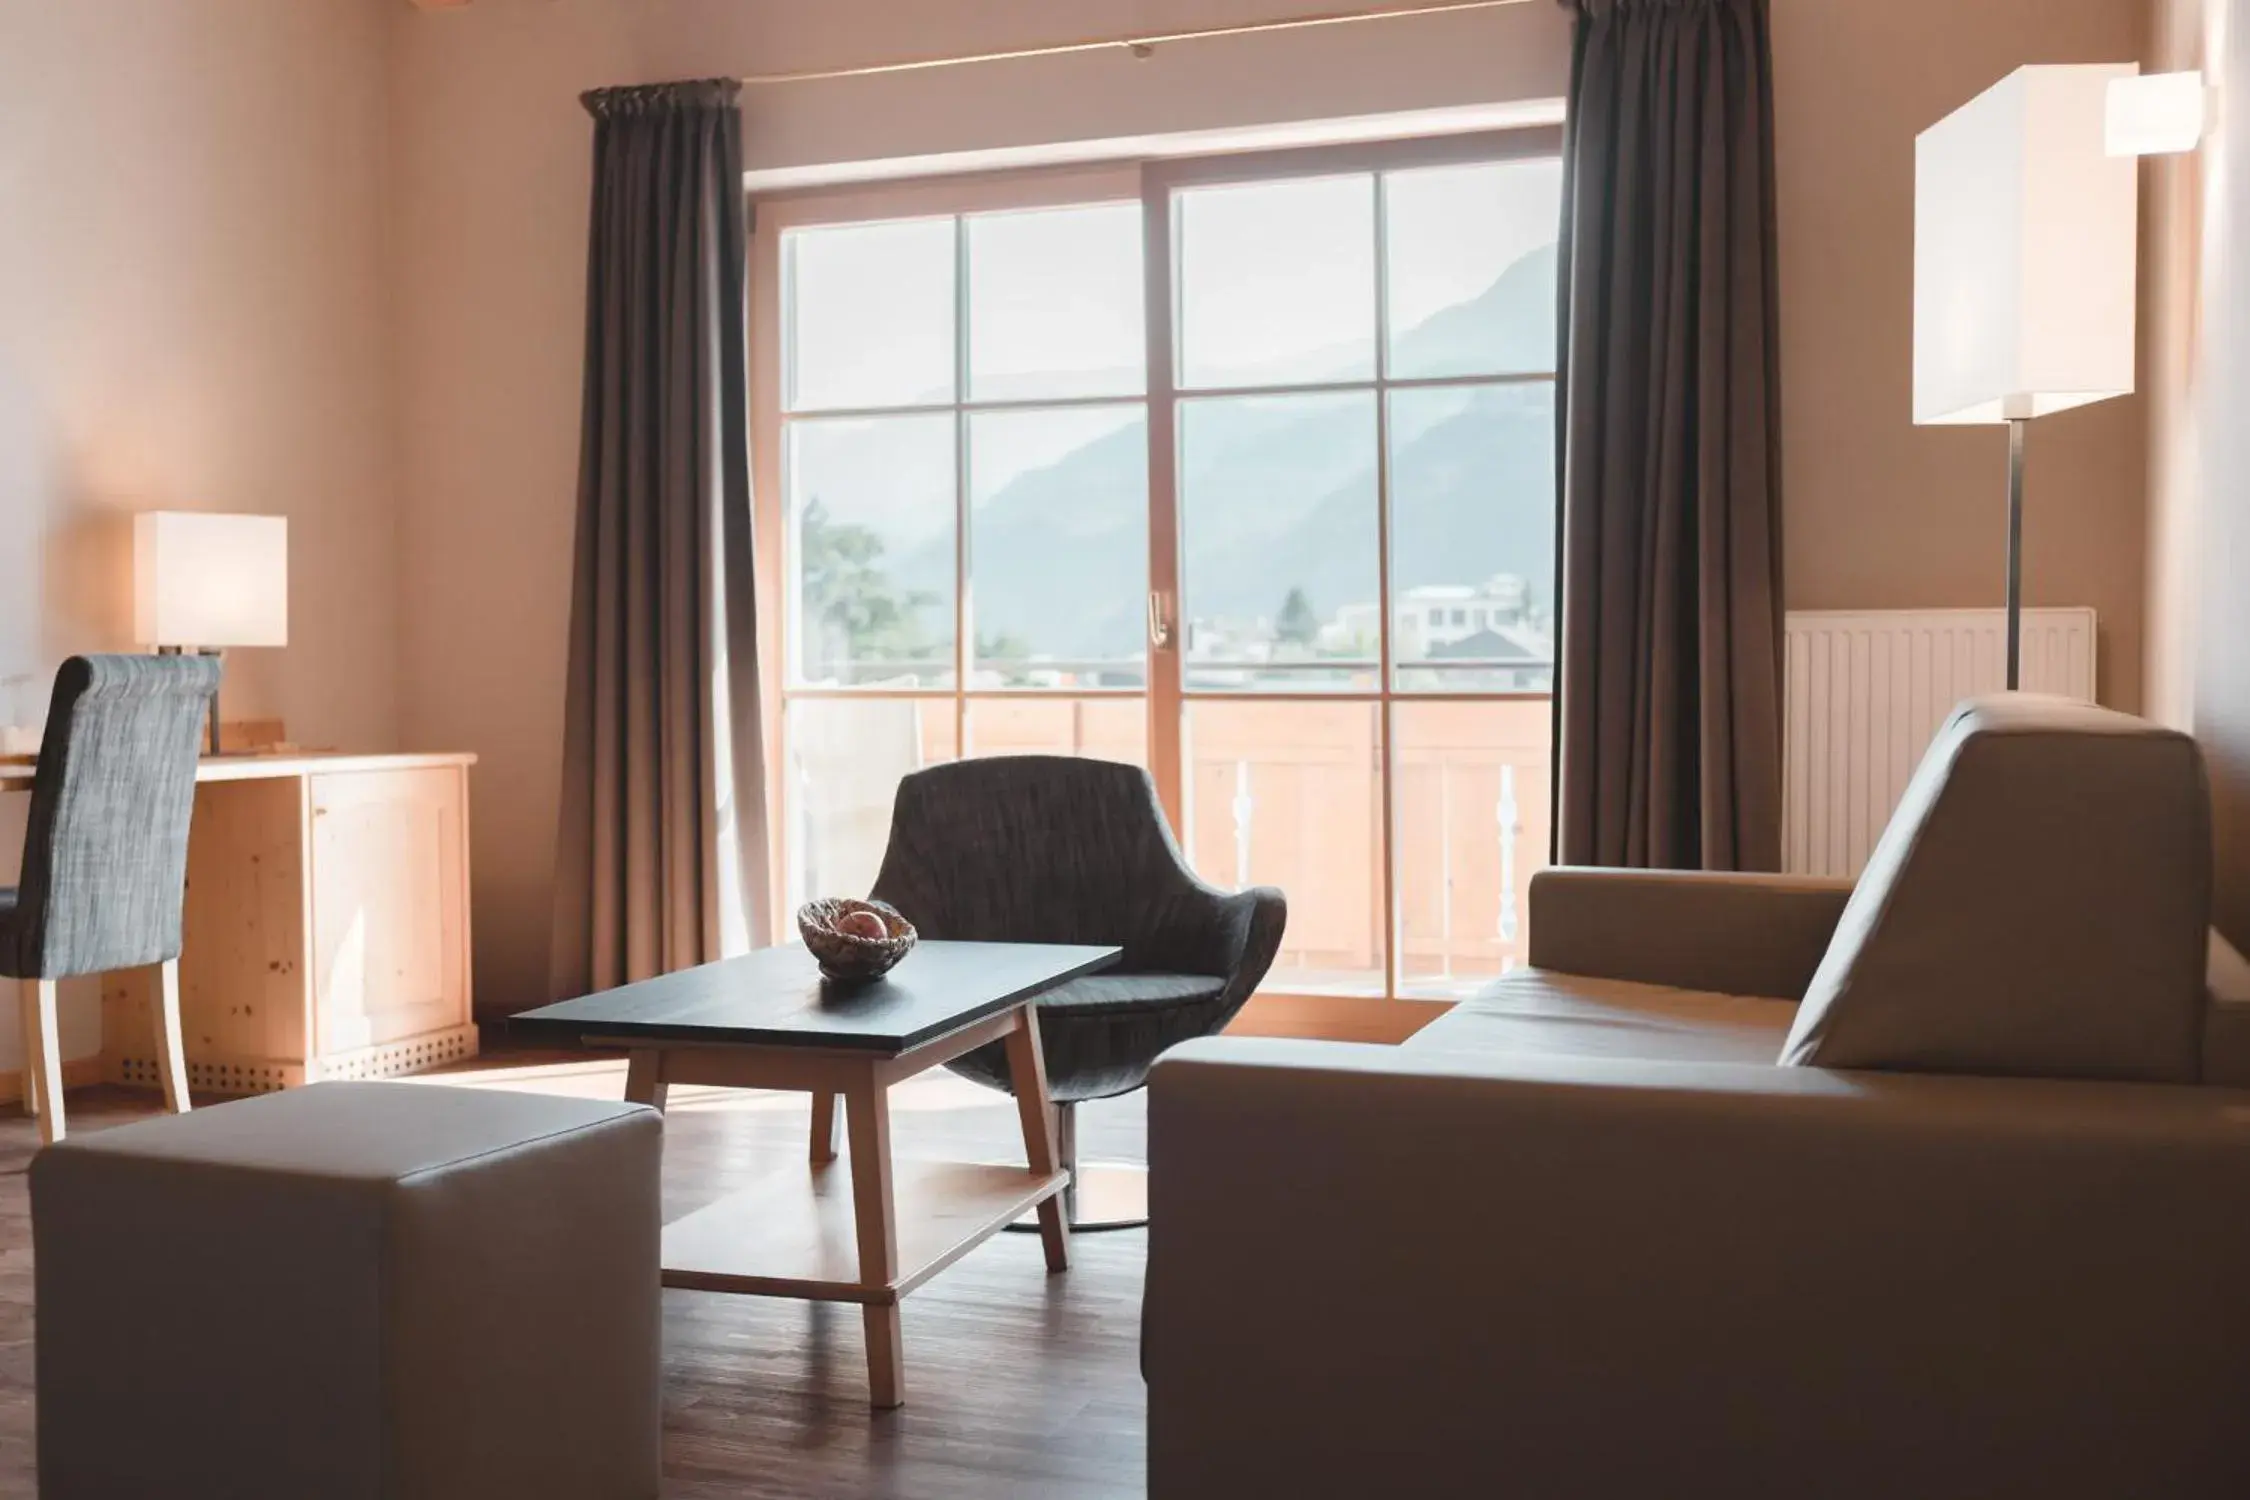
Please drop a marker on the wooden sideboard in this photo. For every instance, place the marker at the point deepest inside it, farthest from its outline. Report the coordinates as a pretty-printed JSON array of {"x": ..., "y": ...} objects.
[{"x": 327, "y": 925}]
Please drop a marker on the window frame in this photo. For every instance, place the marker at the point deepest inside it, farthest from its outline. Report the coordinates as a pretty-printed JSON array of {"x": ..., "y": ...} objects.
[
  {"x": 771, "y": 217},
  {"x": 1153, "y": 183}
]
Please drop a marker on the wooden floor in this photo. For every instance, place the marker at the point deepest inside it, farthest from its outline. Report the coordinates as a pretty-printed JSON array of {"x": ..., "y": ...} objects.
[{"x": 1018, "y": 1384}]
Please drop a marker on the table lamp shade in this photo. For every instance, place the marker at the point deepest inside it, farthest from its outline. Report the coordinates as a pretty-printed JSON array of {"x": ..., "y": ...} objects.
[
  {"x": 210, "y": 581},
  {"x": 2025, "y": 245}
]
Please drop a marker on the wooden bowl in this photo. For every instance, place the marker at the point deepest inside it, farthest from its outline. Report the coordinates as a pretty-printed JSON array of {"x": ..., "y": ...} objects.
[{"x": 844, "y": 956}]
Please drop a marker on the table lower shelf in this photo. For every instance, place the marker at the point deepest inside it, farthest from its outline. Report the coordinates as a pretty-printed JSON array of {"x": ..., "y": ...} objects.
[{"x": 793, "y": 1235}]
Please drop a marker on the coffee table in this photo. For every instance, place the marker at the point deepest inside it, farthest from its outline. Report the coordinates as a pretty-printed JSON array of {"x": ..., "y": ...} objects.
[{"x": 768, "y": 1020}]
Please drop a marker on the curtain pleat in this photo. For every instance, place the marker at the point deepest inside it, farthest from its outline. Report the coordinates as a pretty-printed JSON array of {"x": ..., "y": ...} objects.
[
  {"x": 1668, "y": 672},
  {"x": 663, "y": 622}
]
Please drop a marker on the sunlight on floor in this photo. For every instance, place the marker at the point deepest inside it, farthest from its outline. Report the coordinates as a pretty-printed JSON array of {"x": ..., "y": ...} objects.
[
  {"x": 1111, "y": 1129},
  {"x": 604, "y": 1078}
]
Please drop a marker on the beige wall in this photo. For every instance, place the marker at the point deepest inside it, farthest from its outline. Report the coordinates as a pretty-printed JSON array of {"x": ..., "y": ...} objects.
[
  {"x": 1882, "y": 514},
  {"x": 492, "y": 190},
  {"x": 2198, "y": 356},
  {"x": 2172, "y": 370},
  {"x": 192, "y": 300}
]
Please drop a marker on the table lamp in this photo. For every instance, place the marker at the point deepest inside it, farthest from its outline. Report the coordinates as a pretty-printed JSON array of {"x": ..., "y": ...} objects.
[
  {"x": 208, "y": 582},
  {"x": 2025, "y": 239}
]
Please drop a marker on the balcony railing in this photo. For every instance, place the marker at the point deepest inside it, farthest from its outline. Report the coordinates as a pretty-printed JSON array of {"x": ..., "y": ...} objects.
[
  {"x": 1276, "y": 793},
  {"x": 1290, "y": 795}
]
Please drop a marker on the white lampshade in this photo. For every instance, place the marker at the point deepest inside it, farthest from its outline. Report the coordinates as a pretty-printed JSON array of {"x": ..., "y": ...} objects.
[
  {"x": 2158, "y": 115},
  {"x": 204, "y": 580},
  {"x": 2025, "y": 251}
]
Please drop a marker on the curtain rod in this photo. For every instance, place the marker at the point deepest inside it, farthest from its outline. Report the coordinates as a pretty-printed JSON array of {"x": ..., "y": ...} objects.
[{"x": 1139, "y": 46}]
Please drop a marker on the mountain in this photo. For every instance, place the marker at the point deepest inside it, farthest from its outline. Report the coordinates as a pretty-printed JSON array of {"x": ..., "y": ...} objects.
[
  {"x": 1510, "y": 326},
  {"x": 1279, "y": 493},
  {"x": 1472, "y": 495},
  {"x": 1059, "y": 557}
]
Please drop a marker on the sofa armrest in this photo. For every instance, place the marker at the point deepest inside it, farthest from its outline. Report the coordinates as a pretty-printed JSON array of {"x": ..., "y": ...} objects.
[
  {"x": 1384, "y": 1272},
  {"x": 1732, "y": 934}
]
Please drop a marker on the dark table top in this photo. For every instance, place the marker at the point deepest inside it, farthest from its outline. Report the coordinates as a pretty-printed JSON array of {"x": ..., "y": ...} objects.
[{"x": 777, "y": 997}]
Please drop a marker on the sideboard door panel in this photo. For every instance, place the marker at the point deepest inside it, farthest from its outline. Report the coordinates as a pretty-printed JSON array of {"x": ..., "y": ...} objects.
[
  {"x": 390, "y": 904},
  {"x": 244, "y": 992}
]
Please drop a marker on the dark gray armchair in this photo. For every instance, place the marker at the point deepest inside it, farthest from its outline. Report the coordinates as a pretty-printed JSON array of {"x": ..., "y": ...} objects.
[
  {"x": 1050, "y": 849},
  {"x": 105, "y": 853}
]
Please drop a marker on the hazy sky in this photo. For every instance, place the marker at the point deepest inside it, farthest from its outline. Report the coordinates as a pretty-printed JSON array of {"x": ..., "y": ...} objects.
[
  {"x": 1277, "y": 283},
  {"x": 1273, "y": 274}
]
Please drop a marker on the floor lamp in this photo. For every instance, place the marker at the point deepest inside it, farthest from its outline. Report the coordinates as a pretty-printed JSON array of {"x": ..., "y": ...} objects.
[{"x": 2025, "y": 238}]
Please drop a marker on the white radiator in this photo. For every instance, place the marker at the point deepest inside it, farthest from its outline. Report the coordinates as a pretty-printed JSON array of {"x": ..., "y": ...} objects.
[{"x": 1866, "y": 690}]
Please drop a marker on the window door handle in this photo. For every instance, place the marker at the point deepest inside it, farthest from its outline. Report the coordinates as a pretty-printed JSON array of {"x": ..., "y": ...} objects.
[{"x": 1159, "y": 622}]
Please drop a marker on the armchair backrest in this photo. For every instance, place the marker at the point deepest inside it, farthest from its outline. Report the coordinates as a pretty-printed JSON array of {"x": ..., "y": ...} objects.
[
  {"x": 2037, "y": 906},
  {"x": 1036, "y": 848},
  {"x": 105, "y": 851}
]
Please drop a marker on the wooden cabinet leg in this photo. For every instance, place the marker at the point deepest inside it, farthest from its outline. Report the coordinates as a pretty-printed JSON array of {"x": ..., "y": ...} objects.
[
  {"x": 644, "y": 1080},
  {"x": 42, "y": 1056},
  {"x": 823, "y": 1126},
  {"x": 875, "y": 1218},
  {"x": 1027, "y": 1075},
  {"x": 171, "y": 1057}
]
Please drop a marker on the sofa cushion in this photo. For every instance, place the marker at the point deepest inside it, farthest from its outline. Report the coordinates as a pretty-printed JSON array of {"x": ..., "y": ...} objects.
[
  {"x": 2226, "y": 1025},
  {"x": 2226, "y": 1045},
  {"x": 2037, "y": 906},
  {"x": 1544, "y": 1011}
]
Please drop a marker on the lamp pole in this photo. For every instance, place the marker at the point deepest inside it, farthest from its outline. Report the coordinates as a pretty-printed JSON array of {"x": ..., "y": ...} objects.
[{"x": 2016, "y": 427}]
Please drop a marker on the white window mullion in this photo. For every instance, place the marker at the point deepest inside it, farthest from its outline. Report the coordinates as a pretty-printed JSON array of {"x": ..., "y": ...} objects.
[
  {"x": 1386, "y": 756},
  {"x": 1168, "y": 747},
  {"x": 964, "y": 610}
]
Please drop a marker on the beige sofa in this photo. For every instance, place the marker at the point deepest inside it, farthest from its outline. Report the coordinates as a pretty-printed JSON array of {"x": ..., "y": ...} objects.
[{"x": 1732, "y": 1192}]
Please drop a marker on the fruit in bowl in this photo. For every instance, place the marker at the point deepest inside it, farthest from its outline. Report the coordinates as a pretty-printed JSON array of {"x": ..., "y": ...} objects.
[
  {"x": 854, "y": 941},
  {"x": 862, "y": 924}
]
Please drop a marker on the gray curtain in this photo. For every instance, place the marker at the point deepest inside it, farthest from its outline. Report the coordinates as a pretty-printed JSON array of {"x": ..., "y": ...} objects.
[
  {"x": 663, "y": 650},
  {"x": 1668, "y": 706}
]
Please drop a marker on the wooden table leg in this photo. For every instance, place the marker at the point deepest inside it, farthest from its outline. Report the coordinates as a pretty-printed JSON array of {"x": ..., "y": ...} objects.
[
  {"x": 1027, "y": 1073},
  {"x": 823, "y": 1126},
  {"x": 875, "y": 1218},
  {"x": 644, "y": 1080}
]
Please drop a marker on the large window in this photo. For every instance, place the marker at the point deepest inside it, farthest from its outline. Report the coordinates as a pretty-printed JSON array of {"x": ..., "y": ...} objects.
[{"x": 1241, "y": 470}]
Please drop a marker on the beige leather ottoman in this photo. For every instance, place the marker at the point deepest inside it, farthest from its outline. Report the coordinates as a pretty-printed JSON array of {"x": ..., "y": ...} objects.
[{"x": 352, "y": 1290}]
